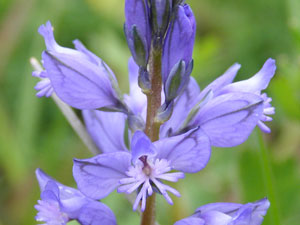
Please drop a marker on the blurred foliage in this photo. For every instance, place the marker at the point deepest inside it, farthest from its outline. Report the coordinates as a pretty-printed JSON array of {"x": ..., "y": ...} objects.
[{"x": 33, "y": 133}]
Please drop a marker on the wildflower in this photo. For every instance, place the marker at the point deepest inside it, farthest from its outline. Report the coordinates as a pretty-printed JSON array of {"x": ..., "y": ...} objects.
[
  {"x": 255, "y": 85},
  {"x": 227, "y": 112},
  {"x": 60, "y": 204},
  {"x": 144, "y": 168},
  {"x": 79, "y": 77},
  {"x": 228, "y": 214}
]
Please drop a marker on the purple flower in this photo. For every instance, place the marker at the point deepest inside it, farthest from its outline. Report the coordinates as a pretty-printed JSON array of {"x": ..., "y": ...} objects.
[
  {"x": 227, "y": 112},
  {"x": 228, "y": 214},
  {"x": 137, "y": 30},
  {"x": 179, "y": 42},
  {"x": 78, "y": 77},
  {"x": 255, "y": 85},
  {"x": 60, "y": 204},
  {"x": 44, "y": 86},
  {"x": 144, "y": 168}
]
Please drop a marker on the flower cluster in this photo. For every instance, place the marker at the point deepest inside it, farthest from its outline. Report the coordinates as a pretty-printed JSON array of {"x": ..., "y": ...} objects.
[{"x": 169, "y": 123}]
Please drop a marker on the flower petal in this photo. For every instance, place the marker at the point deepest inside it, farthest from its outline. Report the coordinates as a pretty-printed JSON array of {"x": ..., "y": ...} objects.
[
  {"x": 98, "y": 176},
  {"x": 141, "y": 145},
  {"x": 216, "y": 218},
  {"x": 106, "y": 129},
  {"x": 44, "y": 179},
  {"x": 190, "y": 221},
  {"x": 229, "y": 119},
  {"x": 80, "y": 47},
  {"x": 96, "y": 213},
  {"x": 257, "y": 83},
  {"x": 224, "y": 207},
  {"x": 188, "y": 152},
  {"x": 231, "y": 213},
  {"x": 47, "y": 32},
  {"x": 94, "y": 58},
  {"x": 136, "y": 100},
  {"x": 221, "y": 81},
  {"x": 252, "y": 213},
  {"x": 78, "y": 82}
]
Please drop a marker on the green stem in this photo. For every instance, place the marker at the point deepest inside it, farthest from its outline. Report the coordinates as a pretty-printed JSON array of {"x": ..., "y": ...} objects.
[
  {"x": 152, "y": 128},
  {"x": 268, "y": 178}
]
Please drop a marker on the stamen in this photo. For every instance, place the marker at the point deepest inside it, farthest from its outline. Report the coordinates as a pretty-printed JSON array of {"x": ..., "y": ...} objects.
[
  {"x": 269, "y": 111},
  {"x": 140, "y": 175},
  {"x": 173, "y": 177}
]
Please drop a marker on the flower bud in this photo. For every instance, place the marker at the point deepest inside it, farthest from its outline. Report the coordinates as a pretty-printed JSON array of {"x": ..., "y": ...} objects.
[
  {"x": 164, "y": 113},
  {"x": 137, "y": 30},
  {"x": 160, "y": 16},
  {"x": 177, "y": 2},
  {"x": 144, "y": 80},
  {"x": 177, "y": 80},
  {"x": 179, "y": 41}
]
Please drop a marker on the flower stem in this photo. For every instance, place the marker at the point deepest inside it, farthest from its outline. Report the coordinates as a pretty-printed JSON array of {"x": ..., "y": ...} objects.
[
  {"x": 152, "y": 128},
  {"x": 154, "y": 97}
]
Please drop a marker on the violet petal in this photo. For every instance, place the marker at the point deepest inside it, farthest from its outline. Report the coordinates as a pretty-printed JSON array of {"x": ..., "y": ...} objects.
[
  {"x": 188, "y": 152},
  {"x": 229, "y": 119},
  {"x": 98, "y": 176},
  {"x": 106, "y": 129}
]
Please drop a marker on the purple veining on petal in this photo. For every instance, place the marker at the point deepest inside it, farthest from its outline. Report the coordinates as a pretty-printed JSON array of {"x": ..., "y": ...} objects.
[
  {"x": 229, "y": 119},
  {"x": 255, "y": 85},
  {"x": 78, "y": 77},
  {"x": 106, "y": 129},
  {"x": 143, "y": 170}
]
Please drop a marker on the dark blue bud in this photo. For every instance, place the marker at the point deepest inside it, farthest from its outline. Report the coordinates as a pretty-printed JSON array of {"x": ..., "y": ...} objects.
[
  {"x": 177, "y": 80},
  {"x": 179, "y": 42},
  {"x": 137, "y": 30},
  {"x": 160, "y": 16}
]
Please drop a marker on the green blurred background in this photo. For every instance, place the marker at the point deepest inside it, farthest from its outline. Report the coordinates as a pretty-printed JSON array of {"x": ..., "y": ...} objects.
[{"x": 33, "y": 132}]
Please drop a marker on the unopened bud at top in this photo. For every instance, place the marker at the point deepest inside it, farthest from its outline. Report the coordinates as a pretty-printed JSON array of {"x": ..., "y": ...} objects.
[
  {"x": 137, "y": 30},
  {"x": 160, "y": 16},
  {"x": 179, "y": 41}
]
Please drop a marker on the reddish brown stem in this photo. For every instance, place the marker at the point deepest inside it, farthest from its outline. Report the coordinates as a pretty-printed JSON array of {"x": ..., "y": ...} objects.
[{"x": 152, "y": 128}]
